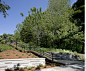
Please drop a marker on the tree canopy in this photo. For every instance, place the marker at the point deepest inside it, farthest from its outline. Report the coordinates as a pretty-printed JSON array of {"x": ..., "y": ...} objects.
[{"x": 3, "y": 8}]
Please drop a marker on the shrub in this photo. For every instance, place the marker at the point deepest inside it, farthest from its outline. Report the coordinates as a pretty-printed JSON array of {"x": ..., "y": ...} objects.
[
  {"x": 7, "y": 55},
  {"x": 17, "y": 68},
  {"x": 7, "y": 70},
  {"x": 53, "y": 65},
  {"x": 30, "y": 68},
  {"x": 1, "y": 58},
  {"x": 21, "y": 69},
  {"x": 3, "y": 41},
  {"x": 19, "y": 56},
  {"x": 40, "y": 65},
  {"x": 0, "y": 39},
  {"x": 25, "y": 67},
  {"x": 16, "y": 54}
]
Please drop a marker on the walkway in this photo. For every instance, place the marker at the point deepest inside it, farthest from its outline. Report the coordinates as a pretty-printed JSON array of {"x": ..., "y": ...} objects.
[{"x": 73, "y": 67}]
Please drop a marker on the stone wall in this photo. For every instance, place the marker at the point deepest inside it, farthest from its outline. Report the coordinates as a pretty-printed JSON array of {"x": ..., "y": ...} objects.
[
  {"x": 65, "y": 56},
  {"x": 28, "y": 62}
]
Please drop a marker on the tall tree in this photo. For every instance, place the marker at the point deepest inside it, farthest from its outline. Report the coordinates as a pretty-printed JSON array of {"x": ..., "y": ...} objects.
[{"x": 79, "y": 11}]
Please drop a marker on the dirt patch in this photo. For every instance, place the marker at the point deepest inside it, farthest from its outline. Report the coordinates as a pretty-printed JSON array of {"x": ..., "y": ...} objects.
[{"x": 15, "y": 54}]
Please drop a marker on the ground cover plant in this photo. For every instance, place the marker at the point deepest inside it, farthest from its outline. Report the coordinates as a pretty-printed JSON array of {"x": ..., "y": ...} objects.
[
  {"x": 40, "y": 66},
  {"x": 4, "y": 47},
  {"x": 15, "y": 54}
]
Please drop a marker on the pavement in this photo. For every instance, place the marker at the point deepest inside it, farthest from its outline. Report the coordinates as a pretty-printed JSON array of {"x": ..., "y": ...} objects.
[{"x": 72, "y": 67}]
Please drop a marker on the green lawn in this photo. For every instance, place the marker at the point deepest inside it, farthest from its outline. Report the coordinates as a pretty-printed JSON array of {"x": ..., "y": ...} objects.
[{"x": 4, "y": 47}]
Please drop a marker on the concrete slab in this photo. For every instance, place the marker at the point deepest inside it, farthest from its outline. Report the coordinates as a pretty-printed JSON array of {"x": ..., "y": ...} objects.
[
  {"x": 73, "y": 67},
  {"x": 66, "y": 62}
]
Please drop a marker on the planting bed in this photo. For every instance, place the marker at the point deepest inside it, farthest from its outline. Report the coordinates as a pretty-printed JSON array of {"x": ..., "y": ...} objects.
[
  {"x": 48, "y": 65},
  {"x": 15, "y": 54}
]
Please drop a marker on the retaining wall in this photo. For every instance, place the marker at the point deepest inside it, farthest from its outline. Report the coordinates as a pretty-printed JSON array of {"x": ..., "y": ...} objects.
[{"x": 28, "y": 62}]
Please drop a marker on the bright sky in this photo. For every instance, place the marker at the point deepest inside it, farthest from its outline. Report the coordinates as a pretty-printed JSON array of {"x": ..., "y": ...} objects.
[{"x": 8, "y": 24}]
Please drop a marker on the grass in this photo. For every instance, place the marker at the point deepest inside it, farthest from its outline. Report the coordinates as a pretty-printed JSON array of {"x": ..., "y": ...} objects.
[
  {"x": 58, "y": 50},
  {"x": 4, "y": 47},
  {"x": 83, "y": 60}
]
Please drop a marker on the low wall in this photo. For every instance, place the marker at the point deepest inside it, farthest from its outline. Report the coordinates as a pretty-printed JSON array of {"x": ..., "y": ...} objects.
[{"x": 28, "y": 62}]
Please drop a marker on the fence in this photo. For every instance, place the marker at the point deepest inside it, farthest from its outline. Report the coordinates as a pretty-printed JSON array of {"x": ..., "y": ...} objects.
[{"x": 38, "y": 50}]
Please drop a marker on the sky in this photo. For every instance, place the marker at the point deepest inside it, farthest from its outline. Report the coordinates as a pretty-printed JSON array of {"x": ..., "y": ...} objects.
[{"x": 8, "y": 24}]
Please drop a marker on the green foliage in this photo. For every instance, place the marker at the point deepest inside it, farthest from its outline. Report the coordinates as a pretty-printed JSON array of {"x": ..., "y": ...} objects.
[
  {"x": 30, "y": 68},
  {"x": 3, "y": 41},
  {"x": 40, "y": 65},
  {"x": 3, "y": 8},
  {"x": 0, "y": 39},
  {"x": 16, "y": 54},
  {"x": 17, "y": 68},
  {"x": 7, "y": 55},
  {"x": 19, "y": 56},
  {"x": 21, "y": 69},
  {"x": 79, "y": 11},
  {"x": 1, "y": 58},
  {"x": 4, "y": 36},
  {"x": 4, "y": 47},
  {"x": 7, "y": 70},
  {"x": 51, "y": 28}
]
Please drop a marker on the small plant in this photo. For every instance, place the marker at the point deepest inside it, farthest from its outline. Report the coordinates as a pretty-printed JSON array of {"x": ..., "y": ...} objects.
[
  {"x": 7, "y": 70},
  {"x": 17, "y": 68},
  {"x": 25, "y": 67},
  {"x": 19, "y": 56},
  {"x": 0, "y": 55},
  {"x": 22, "y": 54},
  {"x": 8, "y": 55},
  {"x": 27, "y": 57},
  {"x": 30, "y": 54},
  {"x": 57, "y": 64},
  {"x": 53, "y": 65},
  {"x": 13, "y": 53},
  {"x": 33, "y": 67},
  {"x": 1, "y": 58},
  {"x": 30, "y": 68},
  {"x": 21, "y": 69},
  {"x": 40, "y": 65},
  {"x": 45, "y": 66},
  {"x": 16, "y": 54}
]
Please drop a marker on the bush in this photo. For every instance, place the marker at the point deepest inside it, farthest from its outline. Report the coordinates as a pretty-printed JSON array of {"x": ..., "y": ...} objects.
[
  {"x": 17, "y": 68},
  {"x": 0, "y": 39},
  {"x": 3, "y": 41},
  {"x": 7, "y": 70},
  {"x": 21, "y": 69},
  {"x": 30, "y": 68}
]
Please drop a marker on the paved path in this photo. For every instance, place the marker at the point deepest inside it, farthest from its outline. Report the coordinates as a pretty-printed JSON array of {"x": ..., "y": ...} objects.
[{"x": 73, "y": 67}]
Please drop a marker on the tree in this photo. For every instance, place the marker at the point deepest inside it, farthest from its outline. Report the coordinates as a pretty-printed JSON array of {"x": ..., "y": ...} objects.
[
  {"x": 79, "y": 11},
  {"x": 17, "y": 32},
  {"x": 63, "y": 29},
  {"x": 3, "y": 8},
  {"x": 5, "y": 36},
  {"x": 33, "y": 23}
]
